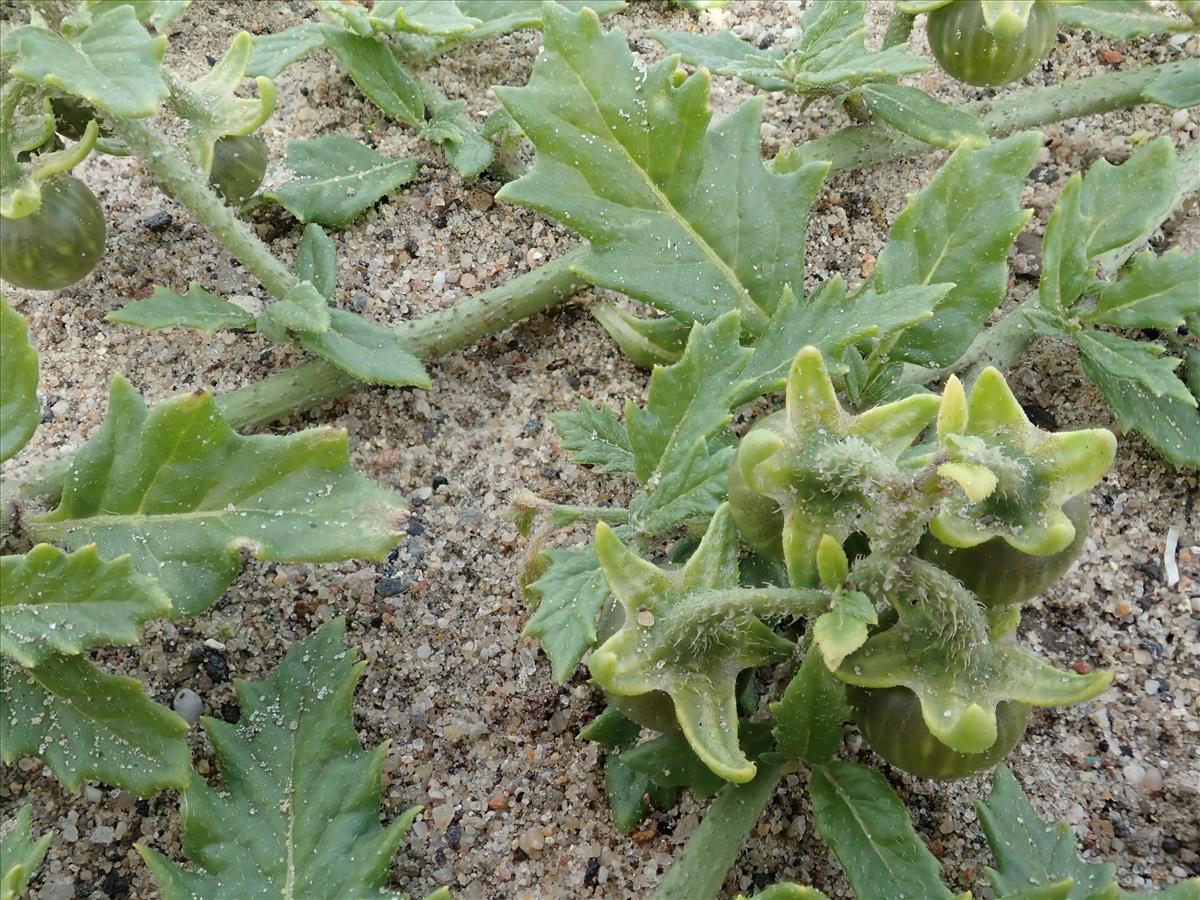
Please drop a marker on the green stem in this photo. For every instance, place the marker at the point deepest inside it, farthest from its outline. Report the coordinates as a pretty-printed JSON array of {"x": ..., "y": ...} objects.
[
  {"x": 859, "y": 146},
  {"x": 187, "y": 185},
  {"x": 711, "y": 850},
  {"x": 899, "y": 27},
  {"x": 313, "y": 383}
]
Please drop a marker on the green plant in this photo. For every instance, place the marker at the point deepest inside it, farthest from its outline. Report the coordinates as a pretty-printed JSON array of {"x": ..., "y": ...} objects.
[
  {"x": 650, "y": 196},
  {"x": 20, "y": 854},
  {"x": 299, "y": 798},
  {"x": 378, "y": 44},
  {"x": 846, "y": 494},
  {"x": 161, "y": 505}
]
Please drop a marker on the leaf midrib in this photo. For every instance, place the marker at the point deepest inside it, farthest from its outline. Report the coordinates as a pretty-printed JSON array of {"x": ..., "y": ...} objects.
[
  {"x": 309, "y": 181},
  {"x": 754, "y": 311},
  {"x": 843, "y": 796}
]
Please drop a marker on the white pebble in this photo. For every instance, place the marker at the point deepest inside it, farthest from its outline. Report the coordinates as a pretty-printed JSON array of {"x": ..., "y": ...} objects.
[
  {"x": 1180, "y": 119},
  {"x": 532, "y": 840},
  {"x": 1134, "y": 773},
  {"x": 188, "y": 705}
]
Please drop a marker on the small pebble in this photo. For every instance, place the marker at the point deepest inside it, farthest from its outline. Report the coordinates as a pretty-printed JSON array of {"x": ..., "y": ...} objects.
[
  {"x": 188, "y": 705},
  {"x": 1112, "y": 57},
  {"x": 531, "y": 840}
]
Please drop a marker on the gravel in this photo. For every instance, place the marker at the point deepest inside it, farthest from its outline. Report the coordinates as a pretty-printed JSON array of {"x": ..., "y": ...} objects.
[{"x": 479, "y": 732}]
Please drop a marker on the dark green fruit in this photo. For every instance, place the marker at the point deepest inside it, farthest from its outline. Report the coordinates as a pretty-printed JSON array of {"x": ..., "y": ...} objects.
[
  {"x": 57, "y": 245},
  {"x": 998, "y": 573},
  {"x": 238, "y": 167},
  {"x": 890, "y": 720},
  {"x": 969, "y": 51}
]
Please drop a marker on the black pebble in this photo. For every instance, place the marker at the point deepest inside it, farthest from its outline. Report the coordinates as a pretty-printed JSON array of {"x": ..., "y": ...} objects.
[
  {"x": 158, "y": 221},
  {"x": 390, "y": 587}
]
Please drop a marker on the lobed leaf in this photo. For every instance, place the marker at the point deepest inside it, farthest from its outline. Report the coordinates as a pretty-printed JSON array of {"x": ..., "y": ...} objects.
[
  {"x": 596, "y": 437},
  {"x": 86, "y": 724},
  {"x": 726, "y": 54},
  {"x": 196, "y": 309},
  {"x": 502, "y": 16},
  {"x": 336, "y": 178},
  {"x": 688, "y": 401},
  {"x": 434, "y": 17},
  {"x": 20, "y": 855},
  {"x": 1135, "y": 361},
  {"x": 1030, "y": 853},
  {"x": 809, "y": 715},
  {"x": 570, "y": 595},
  {"x": 831, "y": 55},
  {"x": 1123, "y": 19},
  {"x": 58, "y": 603},
  {"x": 19, "y": 410},
  {"x": 184, "y": 495},
  {"x": 958, "y": 229},
  {"x": 680, "y": 215},
  {"x": 1170, "y": 426},
  {"x": 113, "y": 64},
  {"x": 831, "y": 321},
  {"x": 298, "y": 811},
  {"x": 370, "y": 352},
  {"x": 1157, "y": 292},
  {"x": 862, "y": 820},
  {"x": 1110, "y": 207},
  {"x": 459, "y": 137}
]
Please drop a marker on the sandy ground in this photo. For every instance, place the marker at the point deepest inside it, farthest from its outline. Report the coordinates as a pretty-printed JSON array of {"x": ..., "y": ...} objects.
[{"x": 479, "y": 732}]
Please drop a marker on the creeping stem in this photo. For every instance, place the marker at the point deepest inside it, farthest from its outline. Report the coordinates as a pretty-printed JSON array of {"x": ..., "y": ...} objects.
[
  {"x": 864, "y": 145},
  {"x": 313, "y": 383},
  {"x": 187, "y": 185},
  {"x": 711, "y": 850}
]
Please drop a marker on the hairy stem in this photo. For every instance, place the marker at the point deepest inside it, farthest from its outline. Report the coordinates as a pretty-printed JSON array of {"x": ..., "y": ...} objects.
[
  {"x": 313, "y": 383},
  {"x": 899, "y": 27},
  {"x": 864, "y": 145},
  {"x": 711, "y": 850},
  {"x": 187, "y": 185}
]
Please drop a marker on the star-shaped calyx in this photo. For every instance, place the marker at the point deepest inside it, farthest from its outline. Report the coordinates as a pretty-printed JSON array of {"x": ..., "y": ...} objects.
[
  {"x": 942, "y": 649},
  {"x": 688, "y": 632},
  {"x": 826, "y": 470},
  {"x": 1014, "y": 477}
]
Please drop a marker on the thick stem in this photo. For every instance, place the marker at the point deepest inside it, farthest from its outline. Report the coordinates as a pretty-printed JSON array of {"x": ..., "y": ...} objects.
[
  {"x": 859, "y": 146},
  {"x": 712, "y": 849},
  {"x": 187, "y": 185},
  {"x": 313, "y": 383},
  {"x": 428, "y": 337},
  {"x": 899, "y": 27}
]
